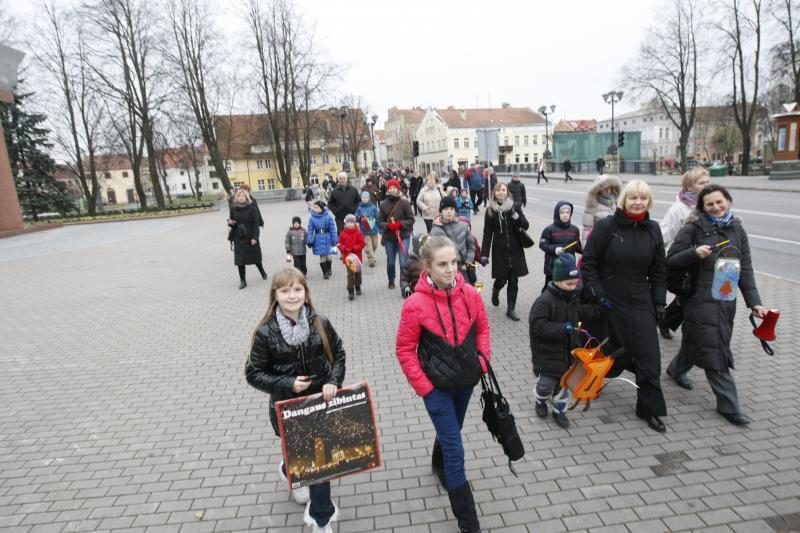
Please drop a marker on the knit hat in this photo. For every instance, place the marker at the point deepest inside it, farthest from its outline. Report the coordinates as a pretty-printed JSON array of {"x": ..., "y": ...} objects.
[
  {"x": 393, "y": 183},
  {"x": 350, "y": 218},
  {"x": 564, "y": 267},
  {"x": 297, "y": 219},
  {"x": 447, "y": 201},
  {"x": 320, "y": 204}
]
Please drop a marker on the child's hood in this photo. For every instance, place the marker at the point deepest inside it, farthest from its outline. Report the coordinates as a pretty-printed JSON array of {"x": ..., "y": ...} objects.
[{"x": 559, "y": 205}]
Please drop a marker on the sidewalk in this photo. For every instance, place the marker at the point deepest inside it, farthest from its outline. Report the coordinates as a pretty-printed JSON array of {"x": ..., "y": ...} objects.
[{"x": 123, "y": 405}]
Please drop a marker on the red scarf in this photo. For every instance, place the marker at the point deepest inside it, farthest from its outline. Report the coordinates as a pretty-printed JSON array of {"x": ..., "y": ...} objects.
[{"x": 635, "y": 218}]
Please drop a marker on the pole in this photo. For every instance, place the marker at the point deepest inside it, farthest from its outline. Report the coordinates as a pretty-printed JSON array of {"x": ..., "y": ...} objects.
[{"x": 372, "y": 134}]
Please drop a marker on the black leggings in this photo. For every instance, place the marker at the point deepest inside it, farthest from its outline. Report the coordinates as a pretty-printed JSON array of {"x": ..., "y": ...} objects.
[{"x": 258, "y": 266}]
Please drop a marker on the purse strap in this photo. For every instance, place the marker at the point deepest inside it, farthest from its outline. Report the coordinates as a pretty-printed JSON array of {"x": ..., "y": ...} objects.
[{"x": 491, "y": 384}]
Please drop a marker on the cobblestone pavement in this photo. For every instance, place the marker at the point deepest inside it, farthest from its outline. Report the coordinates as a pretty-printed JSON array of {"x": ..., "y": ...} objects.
[{"x": 123, "y": 405}]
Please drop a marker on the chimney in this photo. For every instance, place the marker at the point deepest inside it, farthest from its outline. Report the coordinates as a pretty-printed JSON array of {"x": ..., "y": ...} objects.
[{"x": 505, "y": 105}]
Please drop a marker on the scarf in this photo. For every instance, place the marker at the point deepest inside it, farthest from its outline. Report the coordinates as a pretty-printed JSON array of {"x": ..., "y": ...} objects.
[
  {"x": 688, "y": 197},
  {"x": 608, "y": 199},
  {"x": 501, "y": 208},
  {"x": 635, "y": 218},
  {"x": 722, "y": 221},
  {"x": 434, "y": 287},
  {"x": 294, "y": 333}
]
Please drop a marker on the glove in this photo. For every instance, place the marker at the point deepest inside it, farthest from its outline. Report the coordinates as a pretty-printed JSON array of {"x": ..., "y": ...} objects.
[
  {"x": 484, "y": 261},
  {"x": 559, "y": 250},
  {"x": 660, "y": 312},
  {"x": 605, "y": 304},
  {"x": 514, "y": 215},
  {"x": 310, "y": 245},
  {"x": 568, "y": 328},
  {"x": 406, "y": 292},
  {"x": 394, "y": 226}
]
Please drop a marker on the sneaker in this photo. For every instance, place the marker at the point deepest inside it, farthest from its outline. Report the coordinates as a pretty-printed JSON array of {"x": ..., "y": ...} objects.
[
  {"x": 313, "y": 523},
  {"x": 541, "y": 409},
  {"x": 301, "y": 494},
  {"x": 561, "y": 420}
]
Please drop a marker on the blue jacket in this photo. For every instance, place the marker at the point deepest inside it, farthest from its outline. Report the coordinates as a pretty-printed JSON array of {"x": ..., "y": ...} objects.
[
  {"x": 368, "y": 212},
  {"x": 464, "y": 207},
  {"x": 476, "y": 181},
  {"x": 322, "y": 233}
]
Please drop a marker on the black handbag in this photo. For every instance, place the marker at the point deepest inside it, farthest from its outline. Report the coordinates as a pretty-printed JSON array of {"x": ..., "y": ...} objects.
[
  {"x": 499, "y": 420},
  {"x": 524, "y": 238}
]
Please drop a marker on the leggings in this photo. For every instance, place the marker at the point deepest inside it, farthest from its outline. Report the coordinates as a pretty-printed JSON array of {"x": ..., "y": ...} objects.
[{"x": 258, "y": 266}]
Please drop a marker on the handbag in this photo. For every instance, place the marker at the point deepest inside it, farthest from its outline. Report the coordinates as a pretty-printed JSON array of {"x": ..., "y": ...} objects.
[
  {"x": 525, "y": 240},
  {"x": 499, "y": 420}
]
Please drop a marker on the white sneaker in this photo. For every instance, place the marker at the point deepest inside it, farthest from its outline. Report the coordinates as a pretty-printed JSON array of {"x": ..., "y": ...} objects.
[
  {"x": 301, "y": 494},
  {"x": 315, "y": 528}
]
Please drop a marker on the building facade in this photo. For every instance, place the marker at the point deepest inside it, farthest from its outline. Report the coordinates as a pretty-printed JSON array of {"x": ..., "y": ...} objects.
[{"x": 400, "y": 127}]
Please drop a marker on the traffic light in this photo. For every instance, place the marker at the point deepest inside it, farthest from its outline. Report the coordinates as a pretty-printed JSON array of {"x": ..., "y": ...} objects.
[
  {"x": 621, "y": 139},
  {"x": 416, "y": 148}
]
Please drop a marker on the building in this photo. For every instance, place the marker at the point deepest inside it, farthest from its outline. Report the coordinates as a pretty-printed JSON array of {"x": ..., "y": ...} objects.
[
  {"x": 448, "y": 137},
  {"x": 187, "y": 169},
  {"x": 382, "y": 153},
  {"x": 400, "y": 127},
  {"x": 575, "y": 126},
  {"x": 246, "y": 145}
]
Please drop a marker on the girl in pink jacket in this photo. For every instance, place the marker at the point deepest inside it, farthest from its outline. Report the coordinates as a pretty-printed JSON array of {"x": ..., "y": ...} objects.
[{"x": 443, "y": 347}]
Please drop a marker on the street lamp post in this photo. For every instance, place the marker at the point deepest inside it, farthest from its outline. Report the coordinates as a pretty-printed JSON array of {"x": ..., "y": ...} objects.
[
  {"x": 341, "y": 114},
  {"x": 543, "y": 111},
  {"x": 612, "y": 97},
  {"x": 372, "y": 136}
]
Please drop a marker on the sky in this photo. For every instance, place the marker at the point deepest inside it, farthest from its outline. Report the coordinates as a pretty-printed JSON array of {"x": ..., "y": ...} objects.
[{"x": 467, "y": 53}]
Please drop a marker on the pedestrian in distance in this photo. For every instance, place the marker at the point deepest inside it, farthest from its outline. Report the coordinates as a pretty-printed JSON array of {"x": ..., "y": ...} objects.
[
  {"x": 541, "y": 175},
  {"x": 600, "y": 163},
  {"x": 560, "y": 237},
  {"x": 693, "y": 182},
  {"x": 416, "y": 185},
  {"x": 296, "y": 245},
  {"x": 443, "y": 347},
  {"x": 447, "y": 225},
  {"x": 367, "y": 218},
  {"x": 601, "y": 201},
  {"x": 343, "y": 200},
  {"x": 567, "y": 168},
  {"x": 714, "y": 247},
  {"x": 351, "y": 241},
  {"x": 517, "y": 190},
  {"x": 429, "y": 198},
  {"x": 453, "y": 181},
  {"x": 244, "y": 232},
  {"x": 553, "y": 326},
  {"x": 322, "y": 237},
  {"x": 624, "y": 269},
  {"x": 296, "y": 352},
  {"x": 396, "y": 223},
  {"x": 474, "y": 178},
  {"x": 501, "y": 239}
]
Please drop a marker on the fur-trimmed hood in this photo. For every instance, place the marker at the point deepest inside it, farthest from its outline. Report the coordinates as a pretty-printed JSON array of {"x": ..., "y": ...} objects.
[{"x": 601, "y": 182}]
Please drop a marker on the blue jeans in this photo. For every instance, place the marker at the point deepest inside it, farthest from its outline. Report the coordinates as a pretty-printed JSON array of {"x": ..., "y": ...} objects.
[
  {"x": 447, "y": 410},
  {"x": 392, "y": 251},
  {"x": 321, "y": 508}
]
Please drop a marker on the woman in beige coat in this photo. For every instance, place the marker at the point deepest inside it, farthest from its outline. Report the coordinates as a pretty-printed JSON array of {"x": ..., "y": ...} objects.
[{"x": 428, "y": 200}]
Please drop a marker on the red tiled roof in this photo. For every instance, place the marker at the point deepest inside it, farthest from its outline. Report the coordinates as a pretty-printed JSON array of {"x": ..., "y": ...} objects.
[
  {"x": 492, "y": 117},
  {"x": 570, "y": 126}
]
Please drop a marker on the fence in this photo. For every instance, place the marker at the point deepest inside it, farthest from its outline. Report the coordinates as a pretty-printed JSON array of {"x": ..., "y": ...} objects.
[{"x": 579, "y": 167}]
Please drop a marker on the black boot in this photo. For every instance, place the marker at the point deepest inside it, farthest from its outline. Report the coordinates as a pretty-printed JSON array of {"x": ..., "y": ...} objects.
[
  {"x": 495, "y": 296},
  {"x": 463, "y": 506},
  {"x": 351, "y": 295},
  {"x": 324, "y": 270},
  {"x": 437, "y": 463},
  {"x": 511, "y": 294}
]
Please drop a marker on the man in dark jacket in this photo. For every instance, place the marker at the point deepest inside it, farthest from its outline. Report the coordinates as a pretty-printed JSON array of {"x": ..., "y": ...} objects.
[
  {"x": 517, "y": 190},
  {"x": 567, "y": 168},
  {"x": 600, "y": 163},
  {"x": 558, "y": 238},
  {"x": 343, "y": 201}
]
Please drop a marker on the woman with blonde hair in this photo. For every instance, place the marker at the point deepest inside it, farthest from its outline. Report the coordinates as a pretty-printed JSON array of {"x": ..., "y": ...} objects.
[
  {"x": 625, "y": 269},
  {"x": 243, "y": 221},
  {"x": 296, "y": 352}
]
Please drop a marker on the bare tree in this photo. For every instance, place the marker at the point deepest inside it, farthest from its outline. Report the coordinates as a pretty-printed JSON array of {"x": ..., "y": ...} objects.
[
  {"x": 356, "y": 129},
  {"x": 741, "y": 27},
  {"x": 666, "y": 68},
  {"x": 7, "y": 25},
  {"x": 787, "y": 52},
  {"x": 195, "y": 43},
  {"x": 77, "y": 113},
  {"x": 127, "y": 36}
]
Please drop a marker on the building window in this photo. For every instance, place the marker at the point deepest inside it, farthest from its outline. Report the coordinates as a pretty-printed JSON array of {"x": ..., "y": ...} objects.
[
  {"x": 124, "y": 174},
  {"x": 314, "y": 179},
  {"x": 261, "y": 185},
  {"x": 535, "y": 139},
  {"x": 660, "y": 133},
  {"x": 536, "y": 158},
  {"x": 365, "y": 156},
  {"x": 338, "y": 158},
  {"x": 525, "y": 143},
  {"x": 516, "y": 158},
  {"x": 268, "y": 163},
  {"x": 313, "y": 160},
  {"x": 228, "y": 166},
  {"x": 505, "y": 141},
  {"x": 466, "y": 142},
  {"x": 212, "y": 173},
  {"x": 238, "y": 184},
  {"x": 107, "y": 175},
  {"x": 325, "y": 158},
  {"x": 526, "y": 157},
  {"x": 666, "y": 133},
  {"x": 475, "y": 143},
  {"x": 260, "y": 164},
  {"x": 215, "y": 185},
  {"x": 181, "y": 172},
  {"x": 455, "y": 143},
  {"x": 271, "y": 184},
  {"x": 183, "y": 186},
  {"x": 516, "y": 141}
]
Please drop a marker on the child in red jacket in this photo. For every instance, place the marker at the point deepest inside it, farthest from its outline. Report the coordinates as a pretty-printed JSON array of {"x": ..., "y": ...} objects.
[{"x": 351, "y": 241}]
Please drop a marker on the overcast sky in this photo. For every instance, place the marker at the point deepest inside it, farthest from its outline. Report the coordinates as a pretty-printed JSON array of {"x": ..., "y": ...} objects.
[{"x": 470, "y": 53}]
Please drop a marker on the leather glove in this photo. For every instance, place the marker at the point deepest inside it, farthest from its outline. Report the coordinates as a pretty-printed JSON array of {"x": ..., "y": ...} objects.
[
  {"x": 394, "y": 226},
  {"x": 559, "y": 250},
  {"x": 484, "y": 261},
  {"x": 660, "y": 312},
  {"x": 406, "y": 292},
  {"x": 568, "y": 328}
]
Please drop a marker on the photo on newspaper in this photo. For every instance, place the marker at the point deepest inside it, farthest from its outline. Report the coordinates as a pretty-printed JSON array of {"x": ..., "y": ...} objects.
[{"x": 326, "y": 440}]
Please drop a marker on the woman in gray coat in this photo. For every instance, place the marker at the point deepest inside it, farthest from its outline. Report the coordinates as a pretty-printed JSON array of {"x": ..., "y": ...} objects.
[{"x": 713, "y": 246}]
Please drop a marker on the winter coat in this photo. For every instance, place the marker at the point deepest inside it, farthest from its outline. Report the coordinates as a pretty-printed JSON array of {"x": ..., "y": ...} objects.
[
  {"x": 673, "y": 221},
  {"x": 400, "y": 210},
  {"x": 558, "y": 234},
  {"x": 567, "y": 165},
  {"x": 273, "y": 364},
  {"x": 443, "y": 337},
  {"x": 517, "y": 191},
  {"x": 343, "y": 201},
  {"x": 367, "y": 218},
  {"x": 551, "y": 346},
  {"x": 416, "y": 185},
  {"x": 598, "y": 208},
  {"x": 475, "y": 180},
  {"x": 500, "y": 237},
  {"x": 428, "y": 201},
  {"x": 464, "y": 207},
  {"x": 458, "y": 232},
  {"x": 454, "y": 181},
  {"x": 410, "y": 273},
  {"x": 296, "y": 241},
  {"x": 351, "y": 241},
  {"x": 624, "y": 262},
  {"x": 246, "y": 228},
  {"x": 708, "y": 323},
  {"x": 322, "y": 233}
]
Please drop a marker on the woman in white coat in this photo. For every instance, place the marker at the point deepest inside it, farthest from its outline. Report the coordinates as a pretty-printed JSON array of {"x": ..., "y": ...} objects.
[{"x": 428, "y": 200}]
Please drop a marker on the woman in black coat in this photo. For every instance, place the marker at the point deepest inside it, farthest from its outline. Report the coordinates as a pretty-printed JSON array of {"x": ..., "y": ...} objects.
[
  {"x": 501, "y": 238},
  {"x": 243, "y": 221},
  {"x": 296, "y": 352},
  {"x": 624, "y": 268},
  {"x": 711, "y": 307}
]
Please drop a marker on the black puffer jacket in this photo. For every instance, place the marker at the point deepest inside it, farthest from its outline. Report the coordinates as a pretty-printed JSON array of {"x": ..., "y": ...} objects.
[
  {"x": 708, "y": 323},
  {"x": 273, "y": 364},
  {"x": 517, "y": 191},
  {"x": 550, "y": 344},
  {"x": 558, "y": 234}
]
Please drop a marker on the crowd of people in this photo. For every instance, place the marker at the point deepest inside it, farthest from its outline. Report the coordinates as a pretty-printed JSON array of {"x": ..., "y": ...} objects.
[{"x": 610, "y": 278}]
